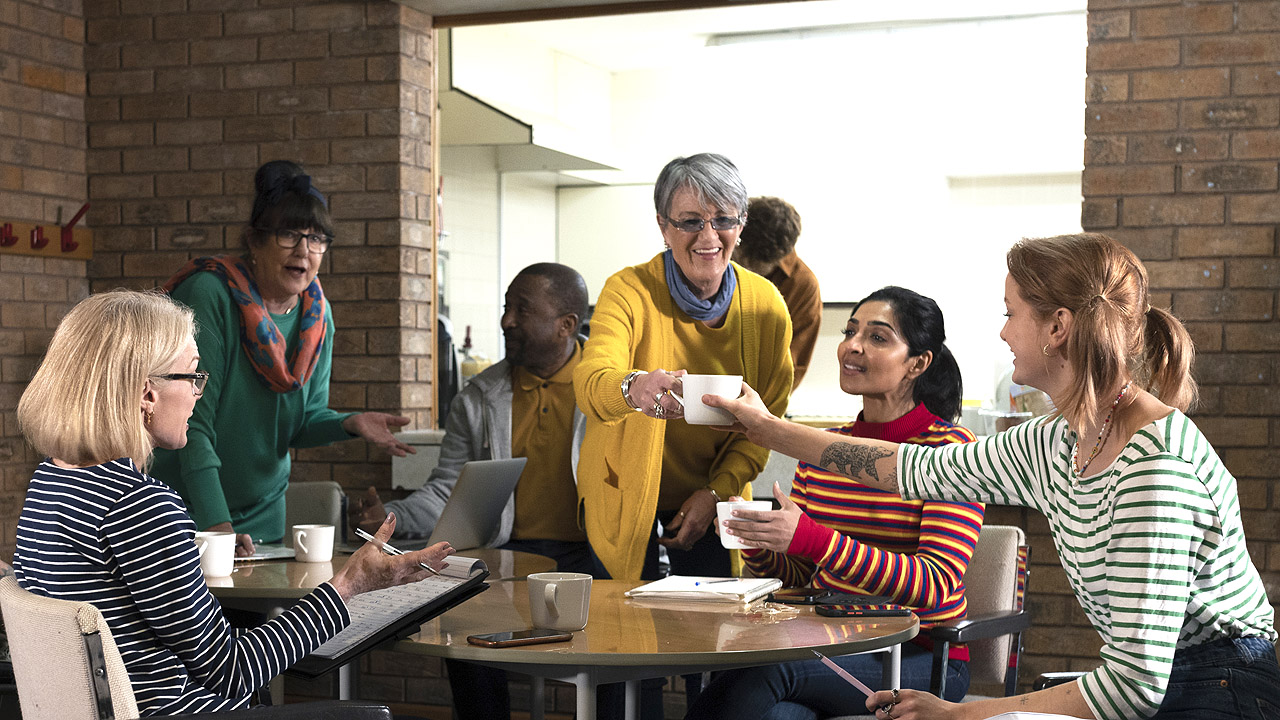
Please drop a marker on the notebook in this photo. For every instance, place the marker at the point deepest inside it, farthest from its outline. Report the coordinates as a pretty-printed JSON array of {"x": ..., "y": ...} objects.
[
  {"x": 470, "y": 519},
  {"x": 710, "y": 589},
  {"x": 395, "y": 613}
]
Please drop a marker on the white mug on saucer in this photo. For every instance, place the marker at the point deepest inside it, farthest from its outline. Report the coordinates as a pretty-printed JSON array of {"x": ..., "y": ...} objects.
[
  {"x": 313, "y": 543},
  {"x": 217, "y": 551},
  {"x": 695, "y": 386},
  {"x": 559, "y": 600}
]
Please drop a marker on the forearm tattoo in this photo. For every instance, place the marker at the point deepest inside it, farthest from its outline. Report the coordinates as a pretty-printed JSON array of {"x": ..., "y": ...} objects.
[{"x": 854, "y": 460}]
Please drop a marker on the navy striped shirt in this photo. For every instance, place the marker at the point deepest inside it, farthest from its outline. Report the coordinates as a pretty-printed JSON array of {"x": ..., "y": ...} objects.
[{"x": 112, "y": 536}]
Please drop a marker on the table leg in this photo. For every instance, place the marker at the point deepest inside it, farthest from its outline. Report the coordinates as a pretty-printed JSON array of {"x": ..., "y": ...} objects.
[
  {"x": 537, "y": 697},
  {"x": 586, "y": 685},
  {"x": 344, "y": 681},
  {"x": 891, "y": 667},
  {"x": 632, "y": 711}
]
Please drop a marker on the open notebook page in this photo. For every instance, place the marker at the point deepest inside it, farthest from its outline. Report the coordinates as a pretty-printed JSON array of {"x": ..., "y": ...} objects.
[{"x": 372, "y": 612}]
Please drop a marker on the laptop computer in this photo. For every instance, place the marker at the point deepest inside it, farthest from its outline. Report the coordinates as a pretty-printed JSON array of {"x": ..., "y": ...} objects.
[{"x": 474, "y": 510}]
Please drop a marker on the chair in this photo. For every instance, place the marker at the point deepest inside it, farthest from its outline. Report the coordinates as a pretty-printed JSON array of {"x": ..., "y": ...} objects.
[
  {"x": 67, "y": 667},
  {"x": 319, "y": 502},
  {"x": 995, "y": 587}
]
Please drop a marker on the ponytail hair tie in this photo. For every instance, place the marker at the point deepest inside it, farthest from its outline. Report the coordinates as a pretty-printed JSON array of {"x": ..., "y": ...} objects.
[{"x": 300, "y": 184}]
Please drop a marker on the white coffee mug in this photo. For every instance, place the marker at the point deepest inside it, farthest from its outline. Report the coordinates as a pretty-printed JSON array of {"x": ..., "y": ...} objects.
[
  {"x": 559, "y": 600},
  {"x": 695, "y": 386},
  {"x": 313, "y": 543},
  {"x": 217, "y": 551},
  {"x": 724, "y": 511}
]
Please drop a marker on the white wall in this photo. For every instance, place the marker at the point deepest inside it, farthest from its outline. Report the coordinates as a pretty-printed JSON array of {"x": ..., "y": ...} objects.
[{"x": 915, "y": 156}]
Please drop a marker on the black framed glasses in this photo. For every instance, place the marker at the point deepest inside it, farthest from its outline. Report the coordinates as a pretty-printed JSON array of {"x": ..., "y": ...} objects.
[
  {"x": 693, "y": 225},
  {"x": 198, "y": 380},
  {"x": 289, "y": 239}
]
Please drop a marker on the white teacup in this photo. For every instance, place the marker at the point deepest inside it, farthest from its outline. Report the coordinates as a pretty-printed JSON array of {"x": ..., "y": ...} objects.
[
  {"x": 695, "y": 386},
  {"x": 313, "y": 543},
  {"x": 724, "y": 511},
  {"x": 559, "y": 600},
  {"x": 217, "y": 551}
]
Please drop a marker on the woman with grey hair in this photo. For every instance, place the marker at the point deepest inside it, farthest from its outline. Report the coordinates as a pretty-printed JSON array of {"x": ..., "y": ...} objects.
[{"x": 688, "y": 310}]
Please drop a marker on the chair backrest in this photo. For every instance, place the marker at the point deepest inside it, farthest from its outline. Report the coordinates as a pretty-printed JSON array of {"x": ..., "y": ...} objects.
[
  {"x": 319, "y": 502},
  {"x": 996, "y": 580},
  {"x": 65, "y": 661}
]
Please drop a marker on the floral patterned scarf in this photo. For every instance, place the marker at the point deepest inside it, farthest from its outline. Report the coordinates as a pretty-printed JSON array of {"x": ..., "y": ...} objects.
[{"x": 259, "y": 336}]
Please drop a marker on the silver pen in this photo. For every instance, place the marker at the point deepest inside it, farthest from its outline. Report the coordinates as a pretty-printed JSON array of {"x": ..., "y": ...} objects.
[{"x": 391, "y": 550}]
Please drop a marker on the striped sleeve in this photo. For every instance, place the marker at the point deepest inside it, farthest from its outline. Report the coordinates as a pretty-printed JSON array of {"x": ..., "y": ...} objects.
[{"x": 149, "y": 535}]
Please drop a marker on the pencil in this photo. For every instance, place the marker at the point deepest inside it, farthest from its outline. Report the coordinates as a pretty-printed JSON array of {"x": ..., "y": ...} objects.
[{"x": 391, "y": 550}]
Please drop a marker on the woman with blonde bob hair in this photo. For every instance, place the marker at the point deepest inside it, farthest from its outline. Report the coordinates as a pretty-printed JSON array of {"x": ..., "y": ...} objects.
[
  {"x": 1143, "y": 513},
  {"x": 118, "y": 381}
]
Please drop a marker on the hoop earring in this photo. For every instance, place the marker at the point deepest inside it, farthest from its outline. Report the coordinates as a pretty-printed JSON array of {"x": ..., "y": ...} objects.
[
  {"x": 1045, "y": 349},
  {"x": 147, "y": 417}
]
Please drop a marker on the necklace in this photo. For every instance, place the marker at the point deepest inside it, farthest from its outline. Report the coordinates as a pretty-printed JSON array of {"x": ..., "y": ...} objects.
[{"x": 1078, "y": 470}]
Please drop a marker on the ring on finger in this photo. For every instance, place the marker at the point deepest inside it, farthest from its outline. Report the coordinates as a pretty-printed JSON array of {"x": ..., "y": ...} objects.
[
  {"x": 658, "y": 410},
  {"x": 895, "y": 695}
]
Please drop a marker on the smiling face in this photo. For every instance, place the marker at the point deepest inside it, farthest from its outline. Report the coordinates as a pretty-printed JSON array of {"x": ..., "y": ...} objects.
[
  {"x": 875, "y": 359},
  {"x": 1026, "y": 335},
  {"x": 172, "y": 401},
  {"x": 283, "y": 273},
  {"x": 702, "y": 256},
  {"x": 535, "y": 331}
]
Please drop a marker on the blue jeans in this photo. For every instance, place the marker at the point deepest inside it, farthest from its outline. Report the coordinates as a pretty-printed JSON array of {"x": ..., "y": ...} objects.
[
  {"x": 1227, "y": 679},
  {"x": 807, "y": 690}
]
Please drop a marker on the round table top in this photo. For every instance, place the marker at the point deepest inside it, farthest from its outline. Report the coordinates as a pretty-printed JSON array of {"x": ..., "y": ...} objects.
[
  {"x": 624, "y": 631},
  {"x": 291, "y": 580}
]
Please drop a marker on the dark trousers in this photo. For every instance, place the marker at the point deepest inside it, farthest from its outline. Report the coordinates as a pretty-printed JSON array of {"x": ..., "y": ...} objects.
[{"x": 1227, "y": 679}]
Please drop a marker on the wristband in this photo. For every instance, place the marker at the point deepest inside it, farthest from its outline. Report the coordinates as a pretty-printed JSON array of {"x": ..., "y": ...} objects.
[{"x": 626, "y": 388}]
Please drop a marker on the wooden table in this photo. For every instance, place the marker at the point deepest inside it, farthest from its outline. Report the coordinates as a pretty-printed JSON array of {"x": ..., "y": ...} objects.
[{"x": 628, "y": 640}]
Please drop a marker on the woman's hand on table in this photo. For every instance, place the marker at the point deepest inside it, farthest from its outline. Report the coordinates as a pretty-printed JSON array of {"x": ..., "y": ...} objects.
[
  {"x": 366, "y": 511},
  {"x": 768, "y": 529},
  {"x": 376, "y": 428},
  {"x": 691, "y": 523},
  {"x": 658, "y": 389},
  {"x": 244, "y": 543},
  {"x": 371, "y": 569}
]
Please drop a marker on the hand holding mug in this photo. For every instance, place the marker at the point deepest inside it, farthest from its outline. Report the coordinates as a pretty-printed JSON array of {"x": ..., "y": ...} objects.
[{"x": 762, "y": 527}]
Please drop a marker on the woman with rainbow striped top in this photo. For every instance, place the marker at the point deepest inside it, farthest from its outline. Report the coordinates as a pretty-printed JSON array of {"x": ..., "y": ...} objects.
[
  {"x": 1144, "y": 515},
  {"x": 836, "y": 533}
]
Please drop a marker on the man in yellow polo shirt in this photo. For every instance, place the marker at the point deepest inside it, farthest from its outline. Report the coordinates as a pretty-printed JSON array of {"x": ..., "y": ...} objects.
[{"x": 522, "y": 406}]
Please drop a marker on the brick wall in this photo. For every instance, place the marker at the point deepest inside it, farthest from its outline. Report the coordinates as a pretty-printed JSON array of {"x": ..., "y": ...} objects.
[
  {"x": 1181, "y": 156},
  {"x": 188, "y": 98},
  {"x": 42, "y": 173}
]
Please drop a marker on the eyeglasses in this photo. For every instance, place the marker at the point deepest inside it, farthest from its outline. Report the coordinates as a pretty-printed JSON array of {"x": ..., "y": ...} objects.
[
  {"x": 198, "y": 380},
  {"x": 693, "y": 225},
  {"x": 289, "y": 239}
]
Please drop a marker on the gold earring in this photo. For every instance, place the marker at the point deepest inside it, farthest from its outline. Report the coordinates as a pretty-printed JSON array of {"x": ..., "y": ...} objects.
[
  {"x": 147, "y": 417},
  {"x": 1045, "y": 349}
]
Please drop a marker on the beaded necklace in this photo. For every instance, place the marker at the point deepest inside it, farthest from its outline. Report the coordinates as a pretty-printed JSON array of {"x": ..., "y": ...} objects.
[{"x": 1077, "y": 471}]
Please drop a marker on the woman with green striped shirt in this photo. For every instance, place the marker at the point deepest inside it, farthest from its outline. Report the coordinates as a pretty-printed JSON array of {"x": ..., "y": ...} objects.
[{"x": 1143, "y": 513}]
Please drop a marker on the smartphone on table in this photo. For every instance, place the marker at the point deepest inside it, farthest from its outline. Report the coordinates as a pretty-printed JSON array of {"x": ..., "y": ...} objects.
[
  {"x": 512, "y": 638},
  {"x": 863, "y": 610},
  {"x": 823, "y": 596}
]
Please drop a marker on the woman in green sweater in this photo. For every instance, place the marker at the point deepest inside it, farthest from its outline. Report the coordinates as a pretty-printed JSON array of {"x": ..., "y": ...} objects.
[{"x": 266, "y": 340}]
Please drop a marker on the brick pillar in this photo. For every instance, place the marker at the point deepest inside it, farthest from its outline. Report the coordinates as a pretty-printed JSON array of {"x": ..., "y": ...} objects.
[
  {"x": 187, "y": 99},
  {"x": 1182, "y": 151},
  {"x": 42, "y": 172}
]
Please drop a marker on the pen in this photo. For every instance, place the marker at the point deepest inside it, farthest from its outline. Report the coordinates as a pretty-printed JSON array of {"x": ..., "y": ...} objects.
[
  {"x": 388, "y": 549},
  {"x": 713, "y": 582},
  {"x": 850, "y": 679}
]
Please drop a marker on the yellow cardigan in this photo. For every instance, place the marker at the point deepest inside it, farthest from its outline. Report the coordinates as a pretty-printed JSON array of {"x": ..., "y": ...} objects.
[{"x": 620, "y": 467}]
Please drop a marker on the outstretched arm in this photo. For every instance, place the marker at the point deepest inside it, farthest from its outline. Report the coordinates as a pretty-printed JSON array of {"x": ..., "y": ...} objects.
[{"x": 871, "y": 462}]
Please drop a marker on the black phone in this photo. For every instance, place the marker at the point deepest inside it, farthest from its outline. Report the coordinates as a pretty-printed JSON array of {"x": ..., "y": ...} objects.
[
  {"x": 863, "y": 610},
  {"x": 823, "y": 596},
  {"x": 512, "y": 638}
]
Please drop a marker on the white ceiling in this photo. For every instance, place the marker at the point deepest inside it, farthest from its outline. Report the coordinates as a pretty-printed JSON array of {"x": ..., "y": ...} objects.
[{"x": 626, "y": 42}]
